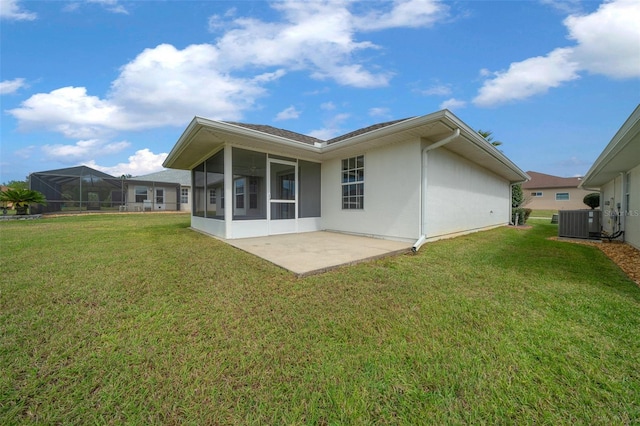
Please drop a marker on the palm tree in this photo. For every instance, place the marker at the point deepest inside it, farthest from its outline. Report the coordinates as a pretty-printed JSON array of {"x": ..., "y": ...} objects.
[
  {"x": 22, "y": 198},
  {"x": 487, "y": 135}
]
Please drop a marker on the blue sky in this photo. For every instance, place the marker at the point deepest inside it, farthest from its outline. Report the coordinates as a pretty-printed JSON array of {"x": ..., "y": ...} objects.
[{"x": 112, "y": 84}]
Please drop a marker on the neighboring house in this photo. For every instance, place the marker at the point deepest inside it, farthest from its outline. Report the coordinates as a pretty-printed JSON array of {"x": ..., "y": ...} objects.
[
  {"x": 548, "y": 192},
  {"x": 5, "y": 205},
  {"x": 82, "y": 188},
  {"x": 417, "y": 179},
  {"x": 616, "y": 174},
  {"x": 182, "y": 177}
]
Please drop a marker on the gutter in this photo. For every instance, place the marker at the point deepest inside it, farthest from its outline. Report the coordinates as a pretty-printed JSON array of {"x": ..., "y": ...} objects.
[{"x": 425, "y": 156}]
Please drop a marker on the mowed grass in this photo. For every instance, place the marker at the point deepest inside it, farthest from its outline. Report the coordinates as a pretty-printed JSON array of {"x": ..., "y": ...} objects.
[
  {"x": 543, "y": 213},
  {"x": 136, "y": 319}
]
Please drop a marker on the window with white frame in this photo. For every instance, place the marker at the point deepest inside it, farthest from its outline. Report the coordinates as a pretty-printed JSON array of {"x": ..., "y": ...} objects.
[
  {"x": 562, "y": 196},
  {"x": 536, "y": 194},
  {"x": 212, "y": 197},
  {"x": 353, "y": 183},
  {"x": 184, "y": 195},
  {"x": 141, "y": 193}
]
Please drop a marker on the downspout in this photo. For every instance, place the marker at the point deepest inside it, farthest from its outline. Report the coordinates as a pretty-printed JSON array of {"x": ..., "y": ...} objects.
[
  {"x": 423, "y": 204},
  {"x": 622, "y": 214}
]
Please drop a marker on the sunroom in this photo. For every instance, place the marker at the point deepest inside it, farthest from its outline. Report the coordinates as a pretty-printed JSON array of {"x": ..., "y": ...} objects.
[{"x": 241, "y": 190}]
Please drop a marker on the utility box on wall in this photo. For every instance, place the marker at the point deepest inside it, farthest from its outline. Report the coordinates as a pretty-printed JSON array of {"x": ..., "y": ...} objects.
[{"x": 579, "y": 224}]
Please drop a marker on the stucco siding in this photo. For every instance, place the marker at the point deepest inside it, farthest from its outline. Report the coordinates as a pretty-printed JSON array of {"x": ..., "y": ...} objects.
[
  {"x": 548, "y": 199},
  {"x": 391, "y": 194},
  {"x": 611, "y": 195},
  {"x": 632, "y": 225},
  {"x": 462, "y": 196}
]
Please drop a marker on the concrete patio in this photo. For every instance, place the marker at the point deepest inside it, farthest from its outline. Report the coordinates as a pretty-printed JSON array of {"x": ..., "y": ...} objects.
[{"x": 316, "y": 252}]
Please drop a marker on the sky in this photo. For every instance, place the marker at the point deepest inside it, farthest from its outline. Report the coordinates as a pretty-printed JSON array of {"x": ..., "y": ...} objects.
[{"x": 112, "y": 84}]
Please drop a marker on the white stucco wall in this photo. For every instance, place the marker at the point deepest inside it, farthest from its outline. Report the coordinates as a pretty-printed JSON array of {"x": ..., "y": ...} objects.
[
  {"x": 391, "y": 194},
  {"x": 610, "y": 196},
  {"x": 462, "y": 196},
  {"x": 632, "y": 225}
]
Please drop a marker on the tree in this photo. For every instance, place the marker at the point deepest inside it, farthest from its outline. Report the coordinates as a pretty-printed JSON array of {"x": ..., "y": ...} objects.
[
  {"x": 487, "y": 135},
  {"x": 17, "y": 184},
  {"x": 517, "y": 197},
  {"x": 22, "y": 198},
  {"x": 592, "y": 200}
]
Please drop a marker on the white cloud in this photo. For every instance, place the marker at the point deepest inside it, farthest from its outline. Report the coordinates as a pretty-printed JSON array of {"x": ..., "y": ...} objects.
[
  {"x": 82, "y": 150},
  {"x": 111, "y": 5},
  {"x": 404, "y": 13},
  {"x": 288, "y": 114},
  {"x": 564, "y": 6},
  {"x": 328, "y": 106},
  {"x": 607, "y": 43},
  {"x": 25, "y": 152},
  {"x": 608, "y": 39},
  {"x": 166, "y": 86},
  {"x": 332, "y": 127},
  {"x": 11, "y": 86},
  {"x": 452, "y": 104},
  {"x": 141, "y": 163},
  {"x": 436, "y": 90},
  {"x": 163, "y": 86},
  {"x": 379, "y": 112},
  {"x": 10, "y": 9},
  {"x": 70, "y": 111},
  {"x": 527, "y": 78}
]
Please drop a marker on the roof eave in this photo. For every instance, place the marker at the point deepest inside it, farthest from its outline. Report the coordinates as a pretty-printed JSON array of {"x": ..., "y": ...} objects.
[{"x": 600, "y": 173}]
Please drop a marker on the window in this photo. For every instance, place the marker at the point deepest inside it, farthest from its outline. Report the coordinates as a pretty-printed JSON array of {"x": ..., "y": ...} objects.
[
  {"x": 562, "y": 196},
  {"x": 628, "y": 194},
  {"x": 212, "y": 197},
  {"x": 536, "y": 194},
  {"x": 141, "y": 194},
  {"x": 184, "y": 195},
  {"x": 353, "y": 183},
  {"x": 239, "y": 193},
  {"x": 159, "y": 196}
]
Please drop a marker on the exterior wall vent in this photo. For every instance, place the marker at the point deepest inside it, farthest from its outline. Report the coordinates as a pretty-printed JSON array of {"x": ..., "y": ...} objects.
[{"x": 579, "y": 224}]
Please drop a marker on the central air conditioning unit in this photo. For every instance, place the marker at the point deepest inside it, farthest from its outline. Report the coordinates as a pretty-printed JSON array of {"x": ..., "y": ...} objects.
[{"x": 579, "y": 224}]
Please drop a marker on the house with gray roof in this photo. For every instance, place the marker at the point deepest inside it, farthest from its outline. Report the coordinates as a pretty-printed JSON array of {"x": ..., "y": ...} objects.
[
  {"x": 181, "y": 177},
  {"x": 414, "y": 180}
]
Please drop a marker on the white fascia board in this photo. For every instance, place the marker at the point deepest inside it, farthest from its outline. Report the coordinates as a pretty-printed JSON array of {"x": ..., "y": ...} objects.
[
  {"x": 386, "y": 131},
  {"x": 181, "y": 144},
  {"x": 444, "y": 116},
  {"x": 476, "y": 139},
  {"x": 620, "y": 140}
]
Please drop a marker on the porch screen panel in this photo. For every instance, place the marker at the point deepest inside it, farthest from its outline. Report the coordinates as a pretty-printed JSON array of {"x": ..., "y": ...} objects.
[
  {"x": 249, "y": 174},
  {"x": 214, "y": 168},
  {"x": 309, "y": 184},
  {"x": 198, "y": 192}
]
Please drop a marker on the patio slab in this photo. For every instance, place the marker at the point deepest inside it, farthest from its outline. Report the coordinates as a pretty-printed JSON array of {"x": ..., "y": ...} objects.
[{"x": 316, "y": 252}]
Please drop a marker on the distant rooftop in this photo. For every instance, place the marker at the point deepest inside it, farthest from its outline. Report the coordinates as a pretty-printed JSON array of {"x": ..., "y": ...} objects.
[{"x": 541, "y": 180}]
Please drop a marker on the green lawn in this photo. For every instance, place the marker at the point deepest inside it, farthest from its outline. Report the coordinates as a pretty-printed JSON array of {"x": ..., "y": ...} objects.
[
  {"x": 543, "y": 213},
  {"x": 111, "y": 319}
]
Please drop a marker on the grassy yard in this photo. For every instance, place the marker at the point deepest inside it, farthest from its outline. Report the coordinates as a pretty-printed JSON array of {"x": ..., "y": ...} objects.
[
  {"x": 111, "y": 319},
  {"x": 543, "y": 213}
]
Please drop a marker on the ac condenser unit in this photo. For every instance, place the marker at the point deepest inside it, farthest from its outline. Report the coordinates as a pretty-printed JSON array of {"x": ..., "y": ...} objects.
[{"x": 579, "y": 224}]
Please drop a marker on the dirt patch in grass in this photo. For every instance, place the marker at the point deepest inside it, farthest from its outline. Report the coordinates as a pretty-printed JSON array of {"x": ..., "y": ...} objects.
[{"x": 624, "y": 255}]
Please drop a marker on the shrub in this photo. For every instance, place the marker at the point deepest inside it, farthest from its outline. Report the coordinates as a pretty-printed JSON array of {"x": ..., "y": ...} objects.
[
  {"x": 592, "y": 200},
  {"x": 523, "y": 215}
]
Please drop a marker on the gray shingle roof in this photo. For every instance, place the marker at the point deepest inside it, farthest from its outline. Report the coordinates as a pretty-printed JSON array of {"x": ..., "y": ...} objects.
[
  {"x": 310, "y": 139},
  {"x": 278, "y": 132},
  {"x": 183, "y": 177},
  {"x": 365, "y": 130}
]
